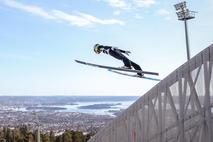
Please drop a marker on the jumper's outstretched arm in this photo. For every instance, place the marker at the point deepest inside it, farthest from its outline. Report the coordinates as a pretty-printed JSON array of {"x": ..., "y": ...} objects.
[{"x": 122, "y": 51}]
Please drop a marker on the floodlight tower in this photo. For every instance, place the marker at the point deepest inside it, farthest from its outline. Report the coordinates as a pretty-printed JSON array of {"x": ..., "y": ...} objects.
[{"x": 185, "y": 14}]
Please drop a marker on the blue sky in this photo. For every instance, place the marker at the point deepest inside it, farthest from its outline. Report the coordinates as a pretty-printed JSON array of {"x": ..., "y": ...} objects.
[{"x": 39, "y": 41}]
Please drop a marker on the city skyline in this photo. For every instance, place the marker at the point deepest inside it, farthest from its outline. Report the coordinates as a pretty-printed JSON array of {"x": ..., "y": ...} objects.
[{"x": 41, "y": 39}]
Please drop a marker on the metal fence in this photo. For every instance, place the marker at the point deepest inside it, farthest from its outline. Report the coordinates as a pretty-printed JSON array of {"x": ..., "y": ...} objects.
[{"x": 177, "y": 109}]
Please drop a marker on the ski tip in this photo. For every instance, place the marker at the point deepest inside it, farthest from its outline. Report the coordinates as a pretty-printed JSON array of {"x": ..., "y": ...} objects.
[
  {"x": 78, "y": 61},
  {"x": 154, "y": 79}
]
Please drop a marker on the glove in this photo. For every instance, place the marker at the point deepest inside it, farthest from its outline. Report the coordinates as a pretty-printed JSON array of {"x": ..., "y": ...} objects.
[{"x": 127, "y": 52}]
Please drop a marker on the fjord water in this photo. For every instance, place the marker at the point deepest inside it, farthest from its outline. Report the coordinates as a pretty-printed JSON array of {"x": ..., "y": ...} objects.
[{"x": 98, "y": 105}]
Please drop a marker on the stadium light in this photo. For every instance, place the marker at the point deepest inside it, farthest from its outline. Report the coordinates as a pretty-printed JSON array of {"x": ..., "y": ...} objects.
[
  {"x": 180, "y": 6},
  {"x": 184, "y": 14}
]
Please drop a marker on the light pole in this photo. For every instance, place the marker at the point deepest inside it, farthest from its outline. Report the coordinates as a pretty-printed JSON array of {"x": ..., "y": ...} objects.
[{"x": 185, "y": 14}]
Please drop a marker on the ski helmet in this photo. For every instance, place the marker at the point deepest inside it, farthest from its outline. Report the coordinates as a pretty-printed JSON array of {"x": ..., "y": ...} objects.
[{"x": 97, "y": 48}]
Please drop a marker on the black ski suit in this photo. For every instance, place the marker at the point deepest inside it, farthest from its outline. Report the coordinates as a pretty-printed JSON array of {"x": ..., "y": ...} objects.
[{"x": 117, "y": 53}]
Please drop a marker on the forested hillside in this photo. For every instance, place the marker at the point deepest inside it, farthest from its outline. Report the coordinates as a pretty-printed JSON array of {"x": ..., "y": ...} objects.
[{"x": 23, "y": 134}]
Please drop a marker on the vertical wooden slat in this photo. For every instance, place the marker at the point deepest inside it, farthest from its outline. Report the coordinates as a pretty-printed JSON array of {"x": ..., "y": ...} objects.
[
  {"x": 181, "y": 105},
  {"x": 208, "y": 130}
]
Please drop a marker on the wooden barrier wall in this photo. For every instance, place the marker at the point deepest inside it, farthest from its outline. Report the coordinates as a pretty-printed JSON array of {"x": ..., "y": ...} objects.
[{"x": 177, "y": 109}]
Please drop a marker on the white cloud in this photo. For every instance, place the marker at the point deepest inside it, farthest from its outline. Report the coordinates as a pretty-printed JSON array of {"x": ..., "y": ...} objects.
[
  {"x": 138, "y": 16},
  {"x": 83, "y": 19},
  {"x": 164, "y": 13},
  {"x": 29, "y": 8},
  {"x": 100, "y": 21},
  {"x": 71, "y": 19},
  {"x": 80, "y": 20},
  {"x": 122, "y": 4},
  {"x": 144, "y": 3},
  {"x": 117, "y": 12},
  {"x": 129, "y": 4}
]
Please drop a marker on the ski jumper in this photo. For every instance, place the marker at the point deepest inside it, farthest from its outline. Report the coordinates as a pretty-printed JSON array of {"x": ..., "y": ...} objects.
[{"x": 117, "y": 53}]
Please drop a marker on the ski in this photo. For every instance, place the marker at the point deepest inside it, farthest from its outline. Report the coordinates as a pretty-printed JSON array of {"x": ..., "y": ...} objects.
[
  {"x": 116, "y": 68},
  {"x": 131, "y": 75}
]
